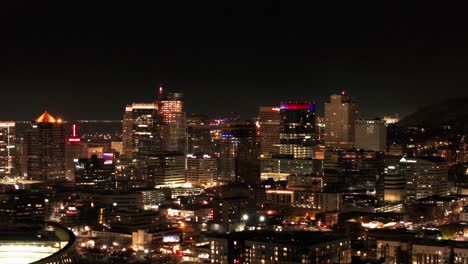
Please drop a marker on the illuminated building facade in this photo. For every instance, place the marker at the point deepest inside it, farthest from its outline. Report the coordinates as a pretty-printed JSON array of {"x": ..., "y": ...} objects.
[
  {"x": 7, "y": 148},
  {"x": 394, "y": 181},
  {"x": 269, "y": 121},
  {"x": 264, "y": 246},
  {"x": 340, "y": 116},
  {"x": 286, "y": 164},
  {"x": 300, "y": 197},
  {"x": 297, "y": 129},
  {"x": 171, "y": 109},
  {"x": 141, "y": 130},
  {"x": 94, "y": 174},
  {"x": 425, "y": 176},
  {"x": 201, "y": 169},
  {"x": 46, "y": 149},
  {"x": 371, "y": 135},
  {"x": 239, "y": 157},
  {"x": 166, "y": 169}
]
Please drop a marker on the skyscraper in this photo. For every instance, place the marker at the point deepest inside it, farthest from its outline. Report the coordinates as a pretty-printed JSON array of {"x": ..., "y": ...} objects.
[
  {"x": 171, "y": 109},
  {"x": 371, "y": 135},
  {"x": 297, "y": 129},
  {"x": 340, "y": 116},
  {"x": 198, "y": 135},
  {"x": 7, "y": 148},
  {"x": 239, "y": 156},
  {"x": 141, "y": 130},
  {"x": 45, "y": 143},
  {"x": 73, "y": 150},
  {"x": 269, "y": 121}
]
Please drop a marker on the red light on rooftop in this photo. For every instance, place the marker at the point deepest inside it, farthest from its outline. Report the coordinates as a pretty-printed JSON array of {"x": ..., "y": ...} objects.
[{"x": 74, "y": 137}]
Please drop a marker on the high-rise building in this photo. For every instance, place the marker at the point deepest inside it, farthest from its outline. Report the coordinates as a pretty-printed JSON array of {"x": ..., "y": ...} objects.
[
  {"x": 340, "y": 116},
  {"x": 166, "y": 169},
  {"x": 45, "y": 143},
  {"x": 73, "y": 150},
  {"x": 394, "y": 180},
  {"x": 371, "y": 135},
  {"x": 297, "y": 129},
  {"x": 425, "y": 176},
  {"x": 269, "y": 121},
  {"x": 7, "y": 148},
  {"x": 141, "y": 130},
  {"x": 171, "y": 109},
  {"x": 201, "y": 169},
  {"x": 239, "y": 156},
  {"x": 94, "y": 174},
  {"x": 198, "y": 135}
]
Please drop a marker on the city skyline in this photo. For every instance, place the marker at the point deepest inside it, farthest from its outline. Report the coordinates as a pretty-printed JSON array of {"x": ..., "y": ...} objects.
[{"x": 90, "y": 65}]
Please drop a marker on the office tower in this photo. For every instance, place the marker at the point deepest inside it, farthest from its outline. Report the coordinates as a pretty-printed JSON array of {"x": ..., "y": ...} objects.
[
  {"x": 340, "y": 115},
  {"x": 425, "y": 176},
  {"x": 73, "y": 150},
  {"x": 7, "y": 149},
  {"x": 198, "y": 135},
  {"x": 94, "y": 174},
  {"x": 171, "y": 109},
  {"x": 297, "y": 132},
  {"x": 371, "y": 135},
  {"x": 239, "y": 156},
  {"x": 394, "y": 180},
  {"x": 45, "y": 143},
  {"x": 269, "y": 121},
  {"x": 201, "y": 169},
  {"x": 141, "y": 130},
  {"x": 166, "y": 169}
]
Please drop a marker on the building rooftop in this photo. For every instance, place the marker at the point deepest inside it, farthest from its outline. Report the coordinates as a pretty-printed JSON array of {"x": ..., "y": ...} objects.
[{"x": 46, "y": 117}]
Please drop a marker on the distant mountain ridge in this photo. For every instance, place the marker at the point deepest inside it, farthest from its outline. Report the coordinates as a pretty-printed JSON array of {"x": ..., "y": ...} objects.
[{"x": 452, "y": 112}]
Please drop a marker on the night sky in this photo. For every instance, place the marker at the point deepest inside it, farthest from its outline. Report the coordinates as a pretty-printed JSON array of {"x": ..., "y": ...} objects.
[{"x": 87, "y": 62}]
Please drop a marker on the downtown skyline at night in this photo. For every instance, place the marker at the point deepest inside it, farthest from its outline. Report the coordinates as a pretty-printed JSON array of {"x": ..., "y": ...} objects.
[{"x": 132, "y": 133}]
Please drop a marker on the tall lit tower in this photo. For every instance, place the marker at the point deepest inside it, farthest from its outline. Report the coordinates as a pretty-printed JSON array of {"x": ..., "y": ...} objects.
[
  {"x": 72, "y": 152},
  {"x": 171, "y": 109},
  {"x": 269, "y": 132},
  {"x": 7, "y": 148},
  {"x": 297, "y": 129},
  {"x": 239, "y": 156},
  {"x": 141, "y": 130},
  {"x": 340, "y": 116},
  {"x": 45, "y": 143}
]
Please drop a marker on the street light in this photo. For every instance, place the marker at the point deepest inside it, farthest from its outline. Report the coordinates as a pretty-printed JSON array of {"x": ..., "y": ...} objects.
[
  {"x": 261, "y": 218},
  {"x": 245, "y": 217}
]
